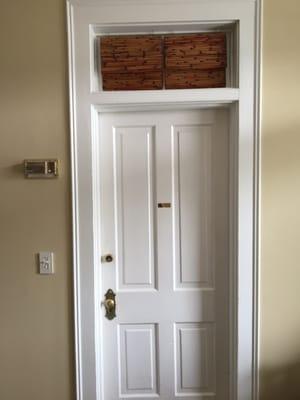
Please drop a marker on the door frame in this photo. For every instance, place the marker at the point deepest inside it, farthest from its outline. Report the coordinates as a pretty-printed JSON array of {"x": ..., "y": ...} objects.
[{"x": 89, "y": 18}]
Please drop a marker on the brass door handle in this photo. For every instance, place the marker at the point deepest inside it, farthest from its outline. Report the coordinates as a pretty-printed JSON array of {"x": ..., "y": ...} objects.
[{"x": 110, "y": 304}]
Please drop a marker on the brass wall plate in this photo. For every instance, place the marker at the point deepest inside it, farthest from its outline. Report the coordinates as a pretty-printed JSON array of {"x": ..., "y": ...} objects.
[
  {"x": 164, "y": 205},
  {"x": 41, "y": 168}
]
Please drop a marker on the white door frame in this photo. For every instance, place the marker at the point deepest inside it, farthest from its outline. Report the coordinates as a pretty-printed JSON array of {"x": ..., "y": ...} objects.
[{"x": 87, "y": 19}]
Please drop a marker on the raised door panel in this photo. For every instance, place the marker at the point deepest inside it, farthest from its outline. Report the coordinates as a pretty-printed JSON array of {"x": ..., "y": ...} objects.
[
  {"x": 134, "y": 202},
  {"x": 137, "y": 359},
  {"x": 193, "y": 239},
  {"x": 195, "y": 359}
]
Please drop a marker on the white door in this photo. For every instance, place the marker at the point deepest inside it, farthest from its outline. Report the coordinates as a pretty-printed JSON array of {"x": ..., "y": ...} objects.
[{"x": 164, "y": 219}]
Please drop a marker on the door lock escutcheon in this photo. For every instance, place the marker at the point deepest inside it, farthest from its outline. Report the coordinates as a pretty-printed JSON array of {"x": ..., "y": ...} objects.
[
  {"x": 110, "y": 304},
  {"x": 107, "y": 258}
]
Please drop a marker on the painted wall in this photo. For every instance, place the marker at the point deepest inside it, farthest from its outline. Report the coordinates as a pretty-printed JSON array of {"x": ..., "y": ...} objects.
[
  {"x": 280, "y": 202},
  {"x": 36, "y": 337}
]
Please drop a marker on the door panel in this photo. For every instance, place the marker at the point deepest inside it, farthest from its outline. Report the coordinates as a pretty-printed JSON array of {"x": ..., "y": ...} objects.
[
  {"x": 195, "y": 358},
  {"x": 138, "y": 361},
  {"x": 170, "y": 338},
  {"x": 134, "y": 196},
  {"x": 192, "y": 206}
]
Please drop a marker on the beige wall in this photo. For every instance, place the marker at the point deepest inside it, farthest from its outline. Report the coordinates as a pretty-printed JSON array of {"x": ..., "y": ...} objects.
[
  {"x": 36, "y": 339},
  {"x": 280, "y": 239},
  {"x": 36, "y": 356}
]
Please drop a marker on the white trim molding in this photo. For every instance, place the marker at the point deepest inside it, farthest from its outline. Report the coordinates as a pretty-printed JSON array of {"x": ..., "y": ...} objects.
[
  {"x": 257, "y": 192},
  {"x": 241, "y": 18}
]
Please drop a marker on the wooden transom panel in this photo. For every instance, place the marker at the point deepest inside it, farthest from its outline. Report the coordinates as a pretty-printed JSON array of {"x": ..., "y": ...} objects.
[
  {"x": 156, "y": 62},
  {"x": 195, "y": 61},
  {"x": 132, "y": 62}
]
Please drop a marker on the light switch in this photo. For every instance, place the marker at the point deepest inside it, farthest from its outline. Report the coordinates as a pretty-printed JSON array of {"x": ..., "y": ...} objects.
[{"x": 46, "y": 263}]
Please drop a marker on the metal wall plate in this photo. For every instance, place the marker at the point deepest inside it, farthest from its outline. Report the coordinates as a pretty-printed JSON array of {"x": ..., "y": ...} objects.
[
  {"x": 164, "y": 205},
  {"x": 41, "y": 168}
]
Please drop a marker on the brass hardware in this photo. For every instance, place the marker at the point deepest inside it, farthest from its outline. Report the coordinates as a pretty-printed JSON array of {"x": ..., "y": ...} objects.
[
  {"x": 46, "y": 168},
  {"x": 107, "y": 258},
  {"x": 110, "y": 304},
  {"x": 164, "y": 205}
]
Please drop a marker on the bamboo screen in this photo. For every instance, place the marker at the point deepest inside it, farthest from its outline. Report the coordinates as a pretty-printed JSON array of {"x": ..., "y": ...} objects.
[{"x": 155, "y": 62}]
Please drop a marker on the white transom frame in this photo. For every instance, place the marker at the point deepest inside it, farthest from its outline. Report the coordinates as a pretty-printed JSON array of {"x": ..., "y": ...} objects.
[{"x": 87, "y": 19}]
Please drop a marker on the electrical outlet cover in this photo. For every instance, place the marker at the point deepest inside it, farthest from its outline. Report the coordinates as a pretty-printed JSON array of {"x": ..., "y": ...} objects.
[{"x": 46, "y": 263}]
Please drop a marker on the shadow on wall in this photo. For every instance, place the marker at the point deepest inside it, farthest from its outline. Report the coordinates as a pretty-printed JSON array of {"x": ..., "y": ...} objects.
[{"x": 281, "y": 383}]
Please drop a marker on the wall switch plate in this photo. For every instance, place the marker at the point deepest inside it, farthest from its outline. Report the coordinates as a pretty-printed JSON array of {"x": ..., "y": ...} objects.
[{"x": 46, "y": 263}]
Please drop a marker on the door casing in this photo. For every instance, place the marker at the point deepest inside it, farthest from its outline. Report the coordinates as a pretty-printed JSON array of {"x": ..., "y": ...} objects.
[{"x": 87, "y": 19}]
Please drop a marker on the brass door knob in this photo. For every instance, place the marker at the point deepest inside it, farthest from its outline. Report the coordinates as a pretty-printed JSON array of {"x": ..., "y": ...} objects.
[{"x": 110, "y": 304}]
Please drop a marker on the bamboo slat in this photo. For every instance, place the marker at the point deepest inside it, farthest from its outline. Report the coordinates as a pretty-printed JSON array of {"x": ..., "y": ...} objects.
[
  {"x": 131, "y": 62},
  {"x": 195, "y": 60},
  {"x": 195, "y": 79},
  {"x": 133, "y": 81}
]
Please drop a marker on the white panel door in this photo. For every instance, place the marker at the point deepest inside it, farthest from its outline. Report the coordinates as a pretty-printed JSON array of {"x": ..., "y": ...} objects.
[{"x": 164, "y": 219}]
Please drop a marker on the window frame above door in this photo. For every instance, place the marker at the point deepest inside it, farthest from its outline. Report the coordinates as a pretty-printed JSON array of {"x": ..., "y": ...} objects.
[{"x": 86, "y": 20}]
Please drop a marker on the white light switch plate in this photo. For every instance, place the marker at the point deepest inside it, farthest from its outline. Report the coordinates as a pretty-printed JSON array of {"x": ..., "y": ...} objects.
[{"x": 46, "y": 263}]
